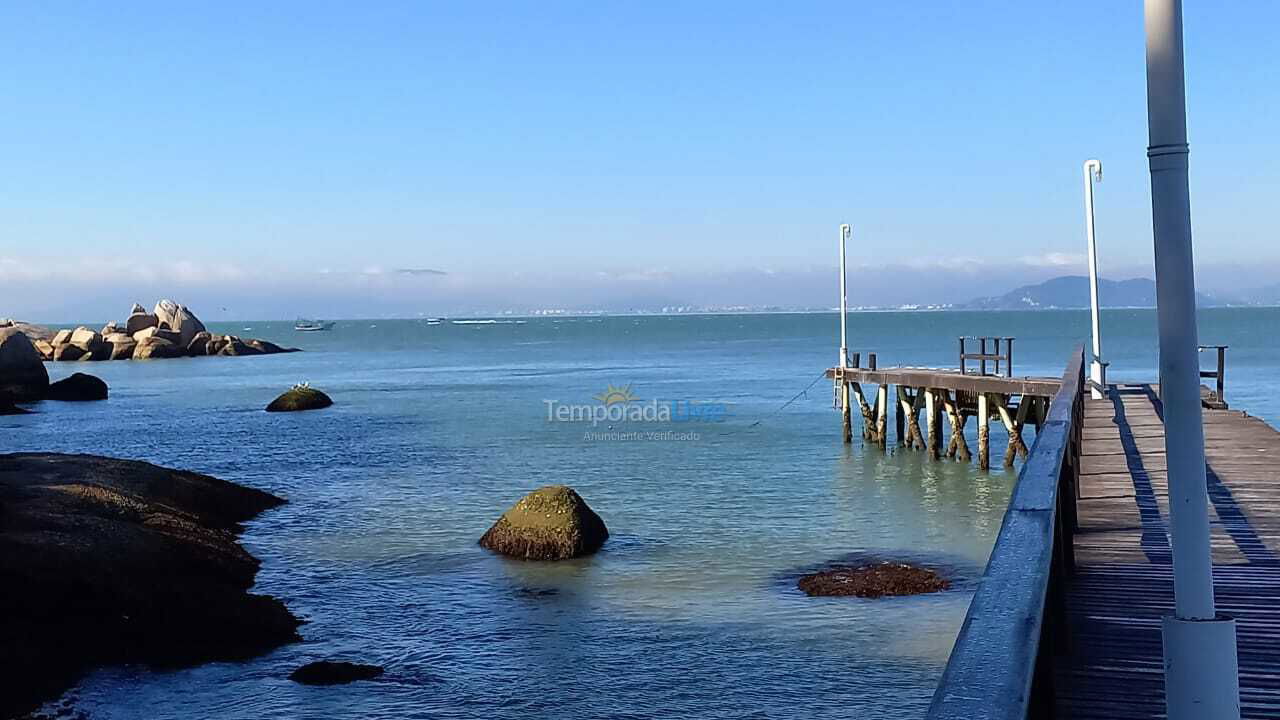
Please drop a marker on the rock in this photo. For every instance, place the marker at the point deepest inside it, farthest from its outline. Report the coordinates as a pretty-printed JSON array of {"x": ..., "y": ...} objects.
[
  {"x": 550, "y": 523},
  {"x": 873, "y": 581},
  {"x": 235, "y": 347},
  {"x": 155, "y": 347},
  {"x": 199, "y": 345},
  {"x": 68, "y": 352},
  {"x": 110, "y": 329},
  {"x": 180, "y": 320},
  {"x": 62, "y": 337},
  {"x": 7, "y": 406},
  {"x": 124, "y": 349},
  {"x": 117, "y": 337},
  {"x": 158, "y": 332},
  {"x": 330, "y": 672},
  {"x": 35, "y": 332},
  {"x": 43, "y": 347},
  {"x": 300, "y": 397},
  {"x": 269, "y": 348},
  {"x": 78, "y": 388},
  {"x": 114, "y": 562},
  {"x": 140, "y": 321},
  {"x": 84, "y": 337},
  {"x": 137, "y": 309},
  {"x": 22, "y": 372}
]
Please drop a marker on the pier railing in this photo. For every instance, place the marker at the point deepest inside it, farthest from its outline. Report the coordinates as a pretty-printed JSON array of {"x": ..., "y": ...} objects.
[{"x": 1002, "y": 664}]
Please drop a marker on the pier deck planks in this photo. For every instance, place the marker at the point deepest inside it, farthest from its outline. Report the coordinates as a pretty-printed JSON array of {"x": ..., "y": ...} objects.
[{"x": 1123, "y": 584}]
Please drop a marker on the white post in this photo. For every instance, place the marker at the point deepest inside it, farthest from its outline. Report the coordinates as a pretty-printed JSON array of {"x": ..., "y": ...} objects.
[
  {"x": 1201, "y": 675},
  {"x": 845, "y": 233},
  {"x": 1092, "y": 171}
]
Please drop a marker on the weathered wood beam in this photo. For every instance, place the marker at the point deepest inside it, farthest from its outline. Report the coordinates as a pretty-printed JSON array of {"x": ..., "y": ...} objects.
[
  {"x": 984, "y": 431},
  {"x": 957, "y": 448},
  {"x": 932, "y": 421},
  {"x": 846, "y": 411}
]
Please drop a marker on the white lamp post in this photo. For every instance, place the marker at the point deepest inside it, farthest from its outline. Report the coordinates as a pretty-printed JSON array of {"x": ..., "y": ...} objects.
[
  {"x": 1097, "y": 370},
  {"x": 845, "y": 233},
  {"x": 1201, "y": 675}
]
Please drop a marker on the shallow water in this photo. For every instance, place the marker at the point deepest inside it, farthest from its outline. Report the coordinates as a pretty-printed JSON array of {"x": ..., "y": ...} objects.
[{"x": 690, "y": 609}]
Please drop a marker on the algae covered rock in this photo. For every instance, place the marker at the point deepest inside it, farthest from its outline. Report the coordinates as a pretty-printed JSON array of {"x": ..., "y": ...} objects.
[
  {"x": 874, "y": 580},
  {"x": 550, "y": 523},
  {"x": 300, "y": 397}
]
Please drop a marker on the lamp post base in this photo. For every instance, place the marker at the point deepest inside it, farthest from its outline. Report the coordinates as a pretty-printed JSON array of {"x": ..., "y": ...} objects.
[{"x": 1200, "y": 681}]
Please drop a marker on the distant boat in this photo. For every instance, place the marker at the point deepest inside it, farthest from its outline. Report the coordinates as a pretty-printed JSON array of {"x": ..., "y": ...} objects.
[{"x": 312, "y": 325}]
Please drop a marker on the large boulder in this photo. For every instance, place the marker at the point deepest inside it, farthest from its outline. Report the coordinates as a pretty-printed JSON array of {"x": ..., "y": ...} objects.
[
  {"x": 158, "y": 332},
  {"x": 22, "y": 372},
  {"x": 300, "y": 397},
  {"x": 7, "y": 406},
  {"x": 331, "y": 672},
  {"x": 234, "y": 346},
  {"x": 550, "y": 523},
  {"x": 117, "y": 337},
  {"x": 139, "y": 321},
  {"x": 199, "y": 345},
  {"x": 78, "y": 388},
  {"x": 43, "y": 347},
  {"x": 68, "y": 352},
  {"x": 268, "y": 348},
  {"x": 62, "y": 337},
  {"x": 111, "y": 328},
  {"x": 180, "y": 320},
  {"x": 123, "y": 349},
  {"x": 84, "y": 337},
  {"x": 155, "y": 347}
]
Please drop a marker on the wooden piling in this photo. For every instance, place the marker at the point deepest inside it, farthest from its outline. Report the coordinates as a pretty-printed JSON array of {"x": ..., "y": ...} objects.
[
  {"x": 958, "y": 447},
  {"x": 882, "y": 413},
  {"x": 932, "y": 422},
  {"x": 846, "y": 410},
  {"x": 1013, "y": 425},
  {"x": 984, "y": 432},
  {"x": 900, "y": 419}
]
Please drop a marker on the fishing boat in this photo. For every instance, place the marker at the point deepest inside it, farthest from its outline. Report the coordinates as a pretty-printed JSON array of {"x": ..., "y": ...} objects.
[{"x": 303, "y": 325}]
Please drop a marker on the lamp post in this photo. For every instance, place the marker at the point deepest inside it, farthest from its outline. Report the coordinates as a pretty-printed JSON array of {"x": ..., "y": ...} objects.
[
  {"x": 845, "y": 233},
  {"x": 1097, "y": 369},
  {"x": 1200, "y": 663}
]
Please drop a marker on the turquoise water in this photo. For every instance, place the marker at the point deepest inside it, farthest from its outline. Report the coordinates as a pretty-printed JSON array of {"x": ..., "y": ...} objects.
[{"x": 690, "y": 610}]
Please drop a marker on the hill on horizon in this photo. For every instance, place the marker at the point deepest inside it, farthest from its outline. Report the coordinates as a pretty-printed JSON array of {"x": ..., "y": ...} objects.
[{"x": 1072, "y": 292}]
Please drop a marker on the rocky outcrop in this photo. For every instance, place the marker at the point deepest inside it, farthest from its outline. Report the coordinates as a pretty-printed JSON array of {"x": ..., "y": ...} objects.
[
  {"x": 157, "y": 348},
  {"x": 180, "y": 320},
  {"x": 550, "y": 523},
  {"x": 79, "y": 387},
  {"x": 139, "y": 321},
  {"x": 8, "y": 406},
  {"x": 22, "y": 373},
  {"x": 68, "y": 352},
  {"x": 123, "y": 349},
  {"x": 62, "y": 337},
  {"x": 199, "y": 345},
  {"x": 110, "y": 562},
  {"x": 873, "y": 580},
  {"x": 300, "y": 397},
  {"x": 331, "y": 672}
]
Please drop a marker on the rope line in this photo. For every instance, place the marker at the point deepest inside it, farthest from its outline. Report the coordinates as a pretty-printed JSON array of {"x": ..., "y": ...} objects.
[{"x": 786, "y": 404}]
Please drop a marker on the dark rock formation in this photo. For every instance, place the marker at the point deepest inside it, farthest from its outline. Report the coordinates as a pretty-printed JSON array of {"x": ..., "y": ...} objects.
[
  {"x": 7, "y": 406},
  {"x": 873, "y": 581},
  {"x": 180, "y": 320},
  {"x": 22, "y": 372},
  {"x": 550, "y": 523},
  {"x": 68, "y": 352},
  {"x": 199, "y": 344},
  {"x": 331, "y": 672},
  {"x": 77, "y": 388},
  {"x": 300, "y": 397},
  {"x": 108, "y": 561},
  {"x": 155, "y": 347}
]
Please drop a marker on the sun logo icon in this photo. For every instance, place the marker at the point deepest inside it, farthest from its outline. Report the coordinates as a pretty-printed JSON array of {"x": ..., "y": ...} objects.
[{"x": 616, "y": 395}]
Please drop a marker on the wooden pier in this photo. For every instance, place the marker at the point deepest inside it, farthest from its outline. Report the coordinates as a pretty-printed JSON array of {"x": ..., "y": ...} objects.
[
  {"x": 956, "y": 394},
  {"x": 1066, "y": 620}
]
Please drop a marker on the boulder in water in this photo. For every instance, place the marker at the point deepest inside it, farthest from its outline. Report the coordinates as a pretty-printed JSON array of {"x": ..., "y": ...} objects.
[
  {"x": 79, "y": 387},
  {"x": 550, "y": 523},
  {"x": 84, "y": 337},
  {"x": 300, "y": 397},
  {"x": 62, "y": 337},
  {"x": 123, "y": 349},
  {"x": 68, "y": 352},
  {"x": 22, "y": 372},
  {"x": 43, "y": 347},
  {"x": 331, "y": 672},
  {"x": 156, "y": 347},
  {"x": 140, "y": 321},
  {"x": 873, "y": 581},
  {"x": 199, "y": 345},
  {"x": 7, "y": 406},
  {"x": 180, "y": 320}
]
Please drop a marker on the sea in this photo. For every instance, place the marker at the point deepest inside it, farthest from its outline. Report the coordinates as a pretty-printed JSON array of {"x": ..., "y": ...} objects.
[{"x": 715, "y": 507}]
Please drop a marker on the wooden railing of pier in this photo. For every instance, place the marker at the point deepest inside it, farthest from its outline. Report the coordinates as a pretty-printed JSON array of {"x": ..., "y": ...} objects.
[{"x": 1002, "y": 664}]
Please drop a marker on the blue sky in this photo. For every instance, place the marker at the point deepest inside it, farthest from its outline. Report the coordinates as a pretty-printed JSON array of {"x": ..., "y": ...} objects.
[{"x": 290, "y": 154}]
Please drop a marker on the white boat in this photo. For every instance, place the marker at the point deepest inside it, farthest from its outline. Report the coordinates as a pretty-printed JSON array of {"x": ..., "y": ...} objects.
[{"x": 303, "y": 325}]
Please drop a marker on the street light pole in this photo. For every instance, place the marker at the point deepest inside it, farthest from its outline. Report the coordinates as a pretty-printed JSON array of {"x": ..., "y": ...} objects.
[
  {"x": 845, "y": 233},
  {"x": 1200, "y": 663},
  {"x": 1097, "y": 372}
]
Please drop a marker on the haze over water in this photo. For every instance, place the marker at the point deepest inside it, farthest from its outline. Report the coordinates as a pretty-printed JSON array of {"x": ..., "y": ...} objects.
[{"x": 690, "y": 609}]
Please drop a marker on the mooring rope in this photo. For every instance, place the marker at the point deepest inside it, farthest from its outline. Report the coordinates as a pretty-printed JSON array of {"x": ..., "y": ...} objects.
[{"x": 786, "y": 404}]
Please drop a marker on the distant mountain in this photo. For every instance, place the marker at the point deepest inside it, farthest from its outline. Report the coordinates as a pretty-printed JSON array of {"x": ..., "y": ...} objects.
[{"x": 1072, "y": 291}]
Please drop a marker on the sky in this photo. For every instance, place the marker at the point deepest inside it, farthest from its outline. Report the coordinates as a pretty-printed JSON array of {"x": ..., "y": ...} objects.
[{"x": 260, "y": 160}]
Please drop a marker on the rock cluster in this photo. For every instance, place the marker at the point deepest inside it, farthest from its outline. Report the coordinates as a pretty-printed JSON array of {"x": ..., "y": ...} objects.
[
  {"x": 108, "y": 561},
  {"x": 168, "y": 331},
  {"x": 873, "y": 580},
  {"x": 550, "y": 523}
]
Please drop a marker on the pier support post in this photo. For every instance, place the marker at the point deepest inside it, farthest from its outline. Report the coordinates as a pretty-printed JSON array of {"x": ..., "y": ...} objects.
[
  {"x": 899, "y": 419},
  {"x": 984, "y": 432},
  {"x": 882, "y": 413},
  {"x": 846, "y": 410},
  {"x": 958, "y": 448},
  {"x": 931, "y": 419},
  {"x": 1013, "y": 425}
]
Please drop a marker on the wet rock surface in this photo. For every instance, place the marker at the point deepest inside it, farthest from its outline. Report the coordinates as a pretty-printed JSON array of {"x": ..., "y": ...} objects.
[
  {"x": 300, "y": 397},
  {"x": 107, "y": 561},
  {"x": 334, "y": 672},
  {"x": 873, "y": 580},
  {"x": 79, "y": 387},
  {"x": 550, "y": 523}
]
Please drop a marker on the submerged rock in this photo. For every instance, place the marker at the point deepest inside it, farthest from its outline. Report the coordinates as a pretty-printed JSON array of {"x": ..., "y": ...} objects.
[
  {"x": 331, "y": 672},
  {"x": 78, "y": 388},
  {"x": 300, "y": 397},
  {"x": 550, "y": 523},
  {"x": 873, "y": 581},
  {"x": 107, "y": 561},
  {"x": 7, "y": 406}
]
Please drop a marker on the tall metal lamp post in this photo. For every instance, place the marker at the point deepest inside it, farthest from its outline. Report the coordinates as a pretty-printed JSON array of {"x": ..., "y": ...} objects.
[
  {"x": 1097, "y": 369},
  {"x": 846, "y": 409},
  {"x": 1200, "y": 664}
]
